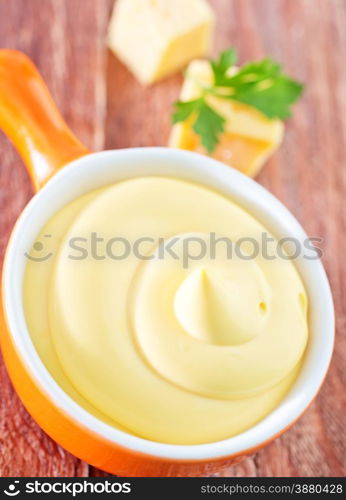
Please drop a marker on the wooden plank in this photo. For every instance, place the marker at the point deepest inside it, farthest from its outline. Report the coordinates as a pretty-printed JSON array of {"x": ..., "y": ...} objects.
[{"x": 66, "y": 40}]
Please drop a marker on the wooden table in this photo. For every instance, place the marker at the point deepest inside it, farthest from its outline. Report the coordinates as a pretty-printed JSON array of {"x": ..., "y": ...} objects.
[{"x": 108, "y": 109}]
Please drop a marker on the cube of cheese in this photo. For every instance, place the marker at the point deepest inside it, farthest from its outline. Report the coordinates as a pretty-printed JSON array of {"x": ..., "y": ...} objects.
[
  {"x": 155, "y": 38},
  {"x": 249, "y": 138}
]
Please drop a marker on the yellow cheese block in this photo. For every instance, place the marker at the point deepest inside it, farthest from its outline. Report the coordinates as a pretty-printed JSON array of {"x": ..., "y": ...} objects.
[
  {"x": 155, "y": 38},
  {"x": 249, "y": 137}
]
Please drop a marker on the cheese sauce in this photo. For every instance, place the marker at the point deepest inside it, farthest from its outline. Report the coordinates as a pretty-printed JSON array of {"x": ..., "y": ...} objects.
[{"x": 143, "y": 317}]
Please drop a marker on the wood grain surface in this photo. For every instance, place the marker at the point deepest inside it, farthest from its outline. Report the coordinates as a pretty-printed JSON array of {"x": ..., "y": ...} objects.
[{"x": 107, "y": 109}]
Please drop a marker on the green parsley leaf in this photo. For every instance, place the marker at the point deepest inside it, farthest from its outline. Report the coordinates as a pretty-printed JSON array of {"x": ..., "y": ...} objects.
[
  {"x": 254, "y": 72},
  {"x": 263, "y": 86},
  {"x": 184, "y": 109},
  {"x": 272, "y": 96},
  {"x": 226, "y": 60},
  {"x": 209, "y": 125}
]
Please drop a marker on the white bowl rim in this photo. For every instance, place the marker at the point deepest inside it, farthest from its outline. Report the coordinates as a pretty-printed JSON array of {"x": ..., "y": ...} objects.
[{"x": 300, "y": 395}]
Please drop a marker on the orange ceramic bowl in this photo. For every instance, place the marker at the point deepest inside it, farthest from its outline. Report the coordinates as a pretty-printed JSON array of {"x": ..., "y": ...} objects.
[{"x": 31, "y": 119}]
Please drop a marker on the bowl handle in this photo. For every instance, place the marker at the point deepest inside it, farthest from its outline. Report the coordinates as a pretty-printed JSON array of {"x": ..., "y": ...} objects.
[{"x": 31, "y": 119}]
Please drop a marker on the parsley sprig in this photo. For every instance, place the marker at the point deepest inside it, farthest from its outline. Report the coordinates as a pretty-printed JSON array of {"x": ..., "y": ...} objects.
[{"x": 260, "y": 84}]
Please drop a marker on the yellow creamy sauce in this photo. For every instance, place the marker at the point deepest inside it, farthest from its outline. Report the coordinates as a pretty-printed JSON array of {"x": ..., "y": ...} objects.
[{"x": 172, "y": 351}]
